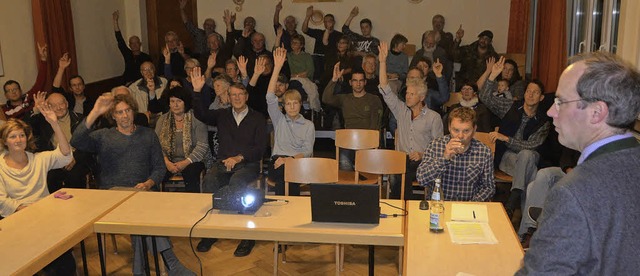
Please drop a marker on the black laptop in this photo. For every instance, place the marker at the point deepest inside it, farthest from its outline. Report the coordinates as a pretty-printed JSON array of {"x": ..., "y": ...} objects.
[{"x": 348, "y": 203}]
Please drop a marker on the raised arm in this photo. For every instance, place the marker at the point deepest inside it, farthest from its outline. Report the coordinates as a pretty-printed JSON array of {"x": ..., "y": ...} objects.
[
  {"x": 183, "y": 13},
  {"x": 354, "y": 12},
  {"x": 116, "y": 15},
  {"x": 52, "y": 119},
  {"x": 440, "y": 96},
  {"x": 382, "y": 58},
  {"x": 307, "y": 17},
  {"x": 483, "y": 78},
  {"x": 279, "y": 57},
  {"x": 259, "y": 68},
  {"x": 63, "y": 63},
  {"x": 102, "y": 105},
  {"x": 328, "y": 96},
  {"x": 201, "y": 102},
  {"x": 498, "y": 105},
  {"x": 276, "y": 14}
]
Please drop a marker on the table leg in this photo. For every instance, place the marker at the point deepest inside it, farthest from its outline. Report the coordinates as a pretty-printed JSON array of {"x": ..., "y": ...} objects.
[
  {"x": 155, "y": 254},
  {"x": 371, "y": 260},
  {"x": 145, "y": 257},
  {"x": 84, "y": 258},
  {"x": 103, "y": 267}
]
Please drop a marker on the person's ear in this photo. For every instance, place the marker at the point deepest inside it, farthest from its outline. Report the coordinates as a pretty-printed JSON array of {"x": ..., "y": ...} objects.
[{"x": 598, "y": 112}]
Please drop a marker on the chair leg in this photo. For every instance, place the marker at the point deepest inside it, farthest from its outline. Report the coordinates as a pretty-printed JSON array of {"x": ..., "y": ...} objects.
[
  {"x": 115, "y": 244},
  {"x": 342, "y": 257},
  {"x": 400, "y": 256},
  {"x": 337, "y": 259},
  {"x": 275, "y": 258},
  {"x": 284, "y": 254}
]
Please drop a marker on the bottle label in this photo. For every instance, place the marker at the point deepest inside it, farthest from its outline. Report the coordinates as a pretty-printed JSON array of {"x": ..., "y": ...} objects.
[
  {"x": 434, "y": 222},
  {"x": 435, "y": 196}
]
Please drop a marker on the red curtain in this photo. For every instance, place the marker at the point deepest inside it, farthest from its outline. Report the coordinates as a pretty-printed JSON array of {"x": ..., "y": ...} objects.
[
  {"x": 518, "y": 26},
  {"x": 53, "y": 25},
  {"x": 550, "y": 50}
]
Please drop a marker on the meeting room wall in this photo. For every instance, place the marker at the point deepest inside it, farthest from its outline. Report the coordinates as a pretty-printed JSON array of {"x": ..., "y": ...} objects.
[{"x": 97, "y": 53}]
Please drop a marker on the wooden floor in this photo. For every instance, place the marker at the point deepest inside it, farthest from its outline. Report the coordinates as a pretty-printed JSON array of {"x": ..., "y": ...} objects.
[{"x": 302, "y": 259}]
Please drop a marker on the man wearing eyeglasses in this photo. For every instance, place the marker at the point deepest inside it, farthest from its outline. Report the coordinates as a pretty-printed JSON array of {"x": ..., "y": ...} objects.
[
  {"x": 523, "y": 128},
  {"x": 147, "y": 89},
  {"x": 242, "y": 138},
  {"x": 590, "y": 220}
]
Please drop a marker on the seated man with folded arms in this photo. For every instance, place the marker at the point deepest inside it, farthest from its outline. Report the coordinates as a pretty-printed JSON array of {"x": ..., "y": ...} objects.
[
  {"x": 293, "y": 134},
  {"x": 523, "y": 128},
  {"x": 242, "y": 138},
  {"x": 417, "y": 124},
  {"x": 130, "y": 156},
  {"x": 464, "y": 164}
]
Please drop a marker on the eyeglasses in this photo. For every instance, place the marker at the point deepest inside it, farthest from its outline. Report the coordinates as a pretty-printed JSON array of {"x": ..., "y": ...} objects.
[{"x": 558, "y": 102}]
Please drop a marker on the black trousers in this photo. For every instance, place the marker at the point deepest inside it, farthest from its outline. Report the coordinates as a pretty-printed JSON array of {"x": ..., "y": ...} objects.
[{"x": 277, "y": 175}]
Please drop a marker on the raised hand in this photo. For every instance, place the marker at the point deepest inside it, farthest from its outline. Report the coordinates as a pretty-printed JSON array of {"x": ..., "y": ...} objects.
[
  {"x": 211, "y": 61},
  {"x": 260, "y": 66},
  {"x": 279, "y": 6},
  {"x": 42, "y": 50},
  {"x": 103, "y": 103},
  {"x": 459, "y": 33},
  {"x": 183, "y": 4},
  {"x": 354, "y": 11},
  {"x": 64, "y": 61},
  {"x": 39, "y": 99},
  {"x": 279, "y": 57},
  {"x": 116, "y": 15},
  {"x": 383, "y": 50},
  {"x": 490, "y": 62},
  {"x": 242, "y": 65},
  {"x": 437, "y": 68},
  {"x": 309, "y": 11},
  {"x": 246, "y": 32},
  {"x": 197, "y": 79},
  {"x": 227, "y": 17},
  {"x": 45, "y": 109},
  {"x": 497, "y": 68},
  {"x": 337, "y": 73},
  {"x": 166, "y": 53}
]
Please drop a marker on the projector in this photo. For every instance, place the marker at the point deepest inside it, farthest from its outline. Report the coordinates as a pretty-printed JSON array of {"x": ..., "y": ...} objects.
[{"x": 243, "y": 200}]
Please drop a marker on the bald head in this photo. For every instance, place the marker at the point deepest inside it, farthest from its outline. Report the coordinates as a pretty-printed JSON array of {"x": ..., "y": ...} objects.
[
  {"x": 120, "y": 90},
  {"x": 59, "y": 104}
]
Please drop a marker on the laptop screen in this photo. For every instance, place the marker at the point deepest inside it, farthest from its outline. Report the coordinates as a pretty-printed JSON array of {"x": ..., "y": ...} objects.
[{"x": 348, "y": 203}]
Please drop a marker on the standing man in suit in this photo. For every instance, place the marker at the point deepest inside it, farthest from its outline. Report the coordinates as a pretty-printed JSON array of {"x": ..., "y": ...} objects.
[{"x": 589, "y": 222}]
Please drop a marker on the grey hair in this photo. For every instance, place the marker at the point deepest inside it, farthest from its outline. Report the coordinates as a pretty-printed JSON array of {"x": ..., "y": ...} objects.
[
  {"x": 609, "y": 79},
  {"x": 419, "y": 84},
  {"x": 113, "y": 90}
]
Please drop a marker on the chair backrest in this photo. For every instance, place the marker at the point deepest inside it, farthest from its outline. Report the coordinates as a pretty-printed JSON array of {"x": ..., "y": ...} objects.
[
  {"x": 485, "y": 139},
  {"x": 311, "y": 170},
  {"x": 381, "y": 162},
  {"x": 357, "y": 139},
  {"x": 454, "y": 98}
]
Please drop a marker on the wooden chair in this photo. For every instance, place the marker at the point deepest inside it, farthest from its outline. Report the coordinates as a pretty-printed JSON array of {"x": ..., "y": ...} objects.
[
  {"x": 305, "y": 171},
  {"x": 498, "y": 175},
  {"x": 454, "y": 98},
  {"x": 356, "y": 139},
  {"x": 382, "y": 162}
]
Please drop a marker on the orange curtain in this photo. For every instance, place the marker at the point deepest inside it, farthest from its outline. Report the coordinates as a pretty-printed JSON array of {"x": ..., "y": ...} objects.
[
  {"x": 53, "y": 25},
  {"x": 518, "y": 26},
  {"x": 550, "y": 50}
]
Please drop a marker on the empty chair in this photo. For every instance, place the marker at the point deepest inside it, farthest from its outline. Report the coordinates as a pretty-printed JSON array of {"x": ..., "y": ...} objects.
[{"x": 355, "y": 139}]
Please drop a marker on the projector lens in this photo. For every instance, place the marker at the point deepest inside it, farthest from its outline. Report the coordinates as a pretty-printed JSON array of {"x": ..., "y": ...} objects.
[{"x": 248, "y": 200}]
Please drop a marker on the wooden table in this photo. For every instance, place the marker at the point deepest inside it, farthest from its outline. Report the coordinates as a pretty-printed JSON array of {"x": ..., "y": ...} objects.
[
  {"x": 35, "y": 236},
  {"x": 428, "y": 253},
  {"x": 173, "y": 214}
]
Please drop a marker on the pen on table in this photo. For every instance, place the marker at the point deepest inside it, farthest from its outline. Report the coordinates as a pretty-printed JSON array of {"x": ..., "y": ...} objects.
[{"x": 474, "y": 214}]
